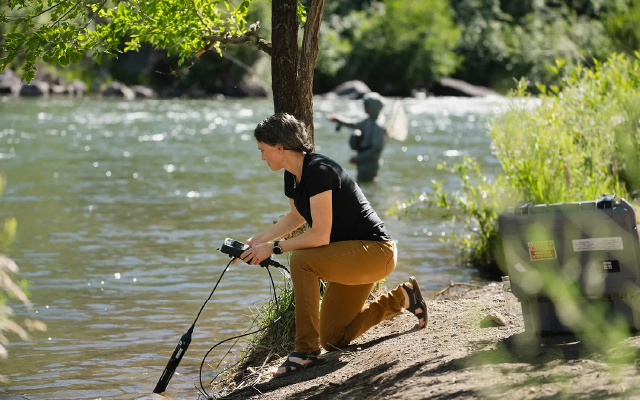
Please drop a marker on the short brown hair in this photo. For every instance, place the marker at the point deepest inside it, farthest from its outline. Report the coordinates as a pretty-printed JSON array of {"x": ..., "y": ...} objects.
[{"x": 284, "y": 129}]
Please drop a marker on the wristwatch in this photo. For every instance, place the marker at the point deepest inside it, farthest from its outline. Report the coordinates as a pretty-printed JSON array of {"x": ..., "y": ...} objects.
[{"x": 276, "y": 248}]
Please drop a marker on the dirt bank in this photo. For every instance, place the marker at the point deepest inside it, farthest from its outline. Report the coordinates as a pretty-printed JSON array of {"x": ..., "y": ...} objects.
[{"x": 456, "y": 358}]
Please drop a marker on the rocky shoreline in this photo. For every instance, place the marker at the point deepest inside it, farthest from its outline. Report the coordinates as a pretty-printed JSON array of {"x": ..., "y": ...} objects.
[
  {"x": 46, "y": 84},
  {"x": 458, "y": 357}
]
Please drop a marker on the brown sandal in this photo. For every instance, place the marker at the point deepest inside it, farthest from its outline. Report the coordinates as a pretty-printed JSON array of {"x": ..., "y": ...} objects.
[
  {"x": 294, "y": 367},
  {"x": 416, "y": 301}
]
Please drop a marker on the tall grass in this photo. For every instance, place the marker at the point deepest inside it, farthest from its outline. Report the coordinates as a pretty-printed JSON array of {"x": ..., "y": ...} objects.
[
  {"x": 273, "y": 324},
  {"x": 277, "y": 340}
]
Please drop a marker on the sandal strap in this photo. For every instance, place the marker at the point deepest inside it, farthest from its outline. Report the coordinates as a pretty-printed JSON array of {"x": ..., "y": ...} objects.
[
  {"x": 416, "y": 292},
  {"x": 288, "y": 364},
  {"x": 416, "y": 301},
  {"x": 305, "y": 355},
  {"x": 412, "y": 299}
]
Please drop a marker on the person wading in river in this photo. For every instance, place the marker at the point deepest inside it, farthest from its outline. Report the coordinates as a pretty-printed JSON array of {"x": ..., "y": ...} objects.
[
  {"x": 368, "y": 138},
  {"x": 347, "y": 245}
]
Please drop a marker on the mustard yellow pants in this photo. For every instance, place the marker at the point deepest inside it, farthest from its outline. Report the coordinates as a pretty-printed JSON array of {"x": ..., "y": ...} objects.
[{"x": 351, "y": 269}]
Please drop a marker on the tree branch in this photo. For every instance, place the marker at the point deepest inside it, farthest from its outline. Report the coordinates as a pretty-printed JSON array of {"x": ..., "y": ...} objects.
[
  {"x": 248, "y": 37},
  {"x": 65, "y": 14},
  {"x": 453, "y": 284},
  {"x": 28, "y": 17},
  {"x": 193, "y": 3}
]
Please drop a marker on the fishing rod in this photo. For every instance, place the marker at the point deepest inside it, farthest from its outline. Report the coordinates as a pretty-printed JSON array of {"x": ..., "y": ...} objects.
[{"x": 234, "y": 249}]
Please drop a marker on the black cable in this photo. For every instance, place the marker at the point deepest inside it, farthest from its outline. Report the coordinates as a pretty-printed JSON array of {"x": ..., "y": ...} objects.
[
  {"x": 274, "y": 290},
  {"x": 214, "y": 289},
  {"x": 246, "y": 334}
]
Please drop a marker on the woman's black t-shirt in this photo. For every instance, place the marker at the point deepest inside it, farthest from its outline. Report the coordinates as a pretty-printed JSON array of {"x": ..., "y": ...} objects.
[{"x": 353, "y": 216}]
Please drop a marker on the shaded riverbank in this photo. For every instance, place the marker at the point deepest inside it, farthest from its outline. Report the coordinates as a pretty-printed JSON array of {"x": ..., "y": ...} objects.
[{"x": 457, "y": 359}]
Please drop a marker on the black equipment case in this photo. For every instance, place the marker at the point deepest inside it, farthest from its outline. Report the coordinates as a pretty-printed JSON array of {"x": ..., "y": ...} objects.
[{"x": 594, "y": 244}]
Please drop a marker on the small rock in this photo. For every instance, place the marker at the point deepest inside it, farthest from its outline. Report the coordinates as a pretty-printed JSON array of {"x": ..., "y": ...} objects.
[
  {"x": 117, "y": 89},
  {"x": 10, "y": 77},
  {"x": 143, "y": 91},
  {"x": 77, "y": 87},
  {"x": 60, "y": 90},
  {"x": 456, "y": 87},
  {"x": 50, "y": 78},
  {"x": 6, "y": 88},
  {"x": 349, "y": 90},
  {"x": 35, "y": 88},
  {"x": 253, "y": 86},
  {"x": 492, "y": 319},
  {"x": 9, "y": 82}
]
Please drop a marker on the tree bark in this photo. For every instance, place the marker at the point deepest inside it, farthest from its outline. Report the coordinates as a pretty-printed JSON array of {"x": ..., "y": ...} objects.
[
  {"x": 308, "y": 64},
  {"x": 284, "y": 56}
]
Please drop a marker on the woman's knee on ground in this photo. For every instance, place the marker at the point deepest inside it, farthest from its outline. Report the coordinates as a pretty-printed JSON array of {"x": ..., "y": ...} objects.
[
  {"x": 333, "y": 345},
  {"x": 333, "y": 341}
]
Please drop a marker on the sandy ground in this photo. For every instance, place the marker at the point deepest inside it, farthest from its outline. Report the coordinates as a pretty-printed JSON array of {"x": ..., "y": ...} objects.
[{"x": 456, "y": 358}]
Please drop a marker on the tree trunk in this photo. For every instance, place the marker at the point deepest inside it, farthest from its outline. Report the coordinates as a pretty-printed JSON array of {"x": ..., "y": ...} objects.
[
  {"x": 292, "y": 81},
  {"x": 284, "y": 56},
  {"x": 308, "y": 64}
]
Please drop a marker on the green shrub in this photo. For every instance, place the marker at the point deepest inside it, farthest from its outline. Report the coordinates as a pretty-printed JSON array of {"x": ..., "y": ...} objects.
[
  {"x": 623, "y": 26},
  {"x": 502, "y": 39},
  {"x": 576, "y": 142},
  {"x": 392, "y": 45}
]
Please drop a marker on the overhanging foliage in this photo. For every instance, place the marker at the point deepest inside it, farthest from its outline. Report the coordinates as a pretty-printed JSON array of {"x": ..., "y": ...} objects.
[{"x": 61, "y": 32}]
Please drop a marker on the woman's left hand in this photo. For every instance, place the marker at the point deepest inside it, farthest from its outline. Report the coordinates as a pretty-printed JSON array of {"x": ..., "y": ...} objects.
[{"x": 257, "y": 253}]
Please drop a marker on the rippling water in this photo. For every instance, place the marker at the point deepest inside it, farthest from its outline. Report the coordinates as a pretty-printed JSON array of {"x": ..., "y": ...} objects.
[{"x": 121, "y": 206}]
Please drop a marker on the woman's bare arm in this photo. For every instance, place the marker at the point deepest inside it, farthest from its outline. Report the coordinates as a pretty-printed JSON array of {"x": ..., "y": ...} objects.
[
  {"x": 320, "y": 233},
  {"x": 285, "y": 225}
]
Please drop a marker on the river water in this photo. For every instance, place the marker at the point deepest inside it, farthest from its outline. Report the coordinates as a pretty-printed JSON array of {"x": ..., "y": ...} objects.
[{"x": 121, "y": 206}]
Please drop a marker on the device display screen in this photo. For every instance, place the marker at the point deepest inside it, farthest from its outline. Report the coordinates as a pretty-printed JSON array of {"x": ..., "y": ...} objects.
[{"x": 239, "y": 245}]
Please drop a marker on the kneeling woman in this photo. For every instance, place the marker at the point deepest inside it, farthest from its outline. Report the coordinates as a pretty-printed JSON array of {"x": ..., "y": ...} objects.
[{"x": 347, "y": 245}]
